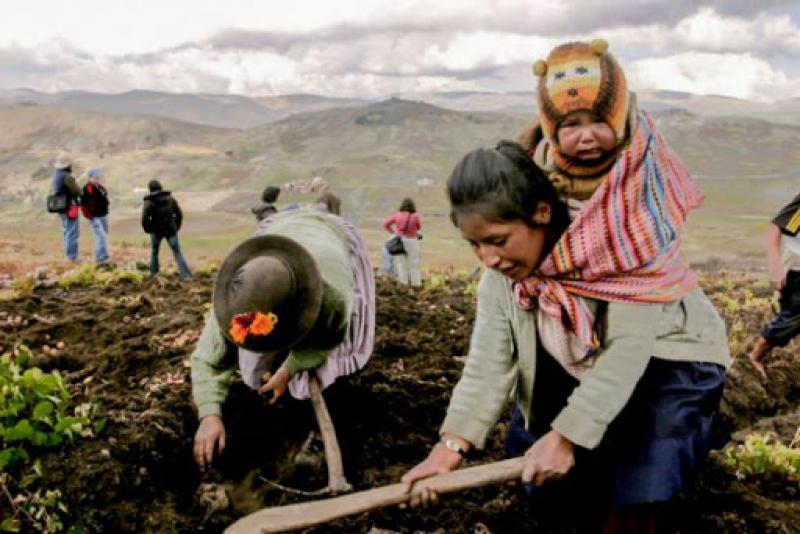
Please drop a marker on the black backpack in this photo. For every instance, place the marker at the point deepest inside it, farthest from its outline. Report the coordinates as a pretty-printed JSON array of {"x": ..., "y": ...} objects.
[{"x": 95, "y": 200}]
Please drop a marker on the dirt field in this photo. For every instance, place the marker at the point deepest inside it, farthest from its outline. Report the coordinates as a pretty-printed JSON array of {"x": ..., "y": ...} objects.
[{"x": 127, "y": 347}]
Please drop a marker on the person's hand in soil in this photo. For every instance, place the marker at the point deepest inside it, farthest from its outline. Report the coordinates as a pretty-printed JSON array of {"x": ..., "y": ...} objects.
[
  {"x": 549, "y": 458},
  {"x": 440, "y": 460},
  {"x": 277, "y": 384},
  {"x": 210, "y": 436}
]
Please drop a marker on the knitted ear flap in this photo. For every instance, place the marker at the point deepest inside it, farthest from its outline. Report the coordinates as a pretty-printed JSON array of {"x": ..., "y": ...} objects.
[
  {"x": 599, "y": 46},
  {"x": 540, "y": 67}
]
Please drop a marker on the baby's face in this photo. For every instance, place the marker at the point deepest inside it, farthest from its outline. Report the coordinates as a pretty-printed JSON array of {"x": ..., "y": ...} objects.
[{"x": 585, "y": 136}]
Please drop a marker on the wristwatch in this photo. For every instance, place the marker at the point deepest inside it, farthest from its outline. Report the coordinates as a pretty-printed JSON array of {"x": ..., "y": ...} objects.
[{"x": 453, "y": 446}]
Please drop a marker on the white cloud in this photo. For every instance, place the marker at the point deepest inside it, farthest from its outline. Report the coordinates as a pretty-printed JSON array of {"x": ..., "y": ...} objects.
[
  {"x": 351, "y": 47},
  {"x": 736, "y": 75}
]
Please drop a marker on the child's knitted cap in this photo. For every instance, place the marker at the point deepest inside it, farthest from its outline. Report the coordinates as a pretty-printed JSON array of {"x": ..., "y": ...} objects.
[{"x": 581, "y": 76}]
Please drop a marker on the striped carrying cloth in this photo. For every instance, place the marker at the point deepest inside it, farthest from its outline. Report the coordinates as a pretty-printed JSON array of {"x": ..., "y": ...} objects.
[{"x": 624, "y": 245}]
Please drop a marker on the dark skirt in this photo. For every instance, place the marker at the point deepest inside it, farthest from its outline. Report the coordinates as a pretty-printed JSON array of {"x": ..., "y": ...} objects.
[
  {"x": 786, "y": 325},
  {"x": 649, "y": 451}
]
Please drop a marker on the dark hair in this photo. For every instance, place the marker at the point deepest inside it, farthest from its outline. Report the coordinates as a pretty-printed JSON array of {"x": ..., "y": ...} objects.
[
  {"x": 408, "y": 205},
  {"x": 154, "y": 185},
  {"x": 332, "y": 203},
  {"x": 504, "y": 184},
  {"x": 270, "y": 194}
]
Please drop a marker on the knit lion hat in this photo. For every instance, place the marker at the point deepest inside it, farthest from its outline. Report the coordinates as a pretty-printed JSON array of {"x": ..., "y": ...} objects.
[{"x": 581, "y": 76}]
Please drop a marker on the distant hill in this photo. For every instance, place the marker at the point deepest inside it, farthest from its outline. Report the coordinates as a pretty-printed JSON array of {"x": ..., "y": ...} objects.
[
  {"x": 373, "y": 155},
  {"x": 237, "y": 111},
  {"x": 229, "y": 111}
]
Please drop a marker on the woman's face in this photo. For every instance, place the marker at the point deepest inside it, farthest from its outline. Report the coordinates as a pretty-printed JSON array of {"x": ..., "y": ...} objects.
[
  {"x": 511, "y": 247},
  {"x": 585, "y": 136}
]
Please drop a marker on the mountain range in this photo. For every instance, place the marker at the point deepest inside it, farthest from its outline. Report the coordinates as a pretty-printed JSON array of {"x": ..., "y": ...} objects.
[{"x": 218, "y": 152}]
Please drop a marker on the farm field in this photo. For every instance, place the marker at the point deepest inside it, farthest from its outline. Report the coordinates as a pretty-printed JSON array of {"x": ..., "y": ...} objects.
[{"x": 124, "y": 347}]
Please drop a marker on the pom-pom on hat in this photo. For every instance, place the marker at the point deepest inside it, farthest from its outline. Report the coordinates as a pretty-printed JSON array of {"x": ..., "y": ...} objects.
[{"x": 581, "y": 76}]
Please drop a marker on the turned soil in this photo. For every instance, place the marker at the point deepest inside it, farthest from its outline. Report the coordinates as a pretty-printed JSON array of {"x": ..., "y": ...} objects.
[{"x": 127, "y": 347}]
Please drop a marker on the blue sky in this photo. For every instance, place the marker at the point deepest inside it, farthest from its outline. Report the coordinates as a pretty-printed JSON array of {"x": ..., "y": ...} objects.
[{"x": 741, "y": 48}]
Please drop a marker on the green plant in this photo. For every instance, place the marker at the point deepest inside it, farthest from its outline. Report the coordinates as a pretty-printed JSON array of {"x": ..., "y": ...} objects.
[
  {"x": 23, "y": 286},
  {"x": 89, "y": 276},
  {"x": 36, "y": 413},
  {"x": 83, "y": 276},
  {"x": 436, "y": 281},
  {"x": 471, "y": 289},
  {"x": 761, "y": 454},
  {"x": 207, "y": 269}
]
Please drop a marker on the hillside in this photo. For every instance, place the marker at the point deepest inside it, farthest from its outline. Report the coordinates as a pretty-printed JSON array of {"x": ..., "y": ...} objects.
[
  {"x": 372, "y": 155},
  {"x": 227, "y": 111}
]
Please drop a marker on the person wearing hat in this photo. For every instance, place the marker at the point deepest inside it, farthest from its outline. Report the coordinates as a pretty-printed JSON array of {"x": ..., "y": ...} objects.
[
  {"x": 64, "y": 183},
  {"x": 162, "y": 218},
  {"x": 326, "y": 201},
  {"x": 303, "y": 285},
  {"x": 784, "y": 277},
  {"x": 94, "y": 205}
]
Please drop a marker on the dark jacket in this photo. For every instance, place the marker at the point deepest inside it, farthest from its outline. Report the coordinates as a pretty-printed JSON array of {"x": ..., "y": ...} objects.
[
  {"x": 94, "y": 201},
  {"x": 64, "y": 183},
  {"x": 161, "y": 214},
  {"x": 264, "y": 210}
]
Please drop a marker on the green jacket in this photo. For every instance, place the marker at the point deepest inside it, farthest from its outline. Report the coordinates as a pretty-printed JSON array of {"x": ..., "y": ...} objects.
[
  {"x": 502, "y": 360},
  {"x": 214, "y": 359}
]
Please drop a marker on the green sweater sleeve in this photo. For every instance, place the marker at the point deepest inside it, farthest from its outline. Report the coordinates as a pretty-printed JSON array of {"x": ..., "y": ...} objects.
[
  {"x": 606, "y": 388},
  {"x": 302, "y": 360},
  {"x": 490, "y": 371},
  {"x": 327, "y": 333},
  {"x": 72, "y": 184},
  {"x": 211, "y": 376}
]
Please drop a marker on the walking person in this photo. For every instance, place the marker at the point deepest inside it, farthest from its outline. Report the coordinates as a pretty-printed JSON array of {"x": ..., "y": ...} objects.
[
  {"x": 162, "y": 218},
  {"x": 784, "y": 276},
  {"x": 64, "y": 183},
  {"x": 94, "y": 205},
  {"x": 406, "y": 223}
]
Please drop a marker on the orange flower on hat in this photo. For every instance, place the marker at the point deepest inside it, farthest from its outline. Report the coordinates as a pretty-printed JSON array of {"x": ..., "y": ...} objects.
[
  {"x": 263, "y": 324},
  {"x": 251, "y": 323}
]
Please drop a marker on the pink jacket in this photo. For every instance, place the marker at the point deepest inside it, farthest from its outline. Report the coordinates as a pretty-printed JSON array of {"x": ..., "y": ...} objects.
[{"x": 405, "y": 224}]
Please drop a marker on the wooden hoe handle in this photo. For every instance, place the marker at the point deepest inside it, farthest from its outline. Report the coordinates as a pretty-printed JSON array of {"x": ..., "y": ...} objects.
[{"x": 308, "y": 514}]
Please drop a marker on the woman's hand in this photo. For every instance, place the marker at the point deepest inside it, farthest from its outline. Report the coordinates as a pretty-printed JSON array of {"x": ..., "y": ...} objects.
[
  {"x": 777, "y": 277},
  {"x": 210, "y": 436},
  {"x": 277, "y": 384},
  {"x": 549, "y": 459},
  {"x": 440, "y": 460}
]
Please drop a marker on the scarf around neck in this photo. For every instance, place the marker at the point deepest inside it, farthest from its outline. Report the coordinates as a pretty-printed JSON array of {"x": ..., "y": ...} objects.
[{"x": 624, "y": 245}]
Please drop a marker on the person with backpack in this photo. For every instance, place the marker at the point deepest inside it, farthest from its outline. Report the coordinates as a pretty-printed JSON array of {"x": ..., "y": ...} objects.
[
  {"x": 162, "y": 218},
  {"x": 64, "y": 184},
  {"x": 94, "y": 205}
]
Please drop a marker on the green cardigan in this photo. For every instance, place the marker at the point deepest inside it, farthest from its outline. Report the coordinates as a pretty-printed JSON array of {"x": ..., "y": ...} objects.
[
  {"x": 502, "y": 360},
  {"x": 214, "y": 359}
]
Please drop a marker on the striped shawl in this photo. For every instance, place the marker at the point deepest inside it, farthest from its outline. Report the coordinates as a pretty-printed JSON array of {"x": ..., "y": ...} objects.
[{"x": 624, "y": 245}]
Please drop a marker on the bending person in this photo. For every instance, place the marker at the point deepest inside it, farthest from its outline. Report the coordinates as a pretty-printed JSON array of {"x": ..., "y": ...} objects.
[{"x": 303, "y": 285}]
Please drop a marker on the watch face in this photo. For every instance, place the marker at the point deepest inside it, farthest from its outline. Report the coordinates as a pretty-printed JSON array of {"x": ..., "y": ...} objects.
[{"x": 452, "y": 445}]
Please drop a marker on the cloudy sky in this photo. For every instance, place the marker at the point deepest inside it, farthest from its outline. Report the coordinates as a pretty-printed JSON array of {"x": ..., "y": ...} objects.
[{"x": 367, "y": 48}]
